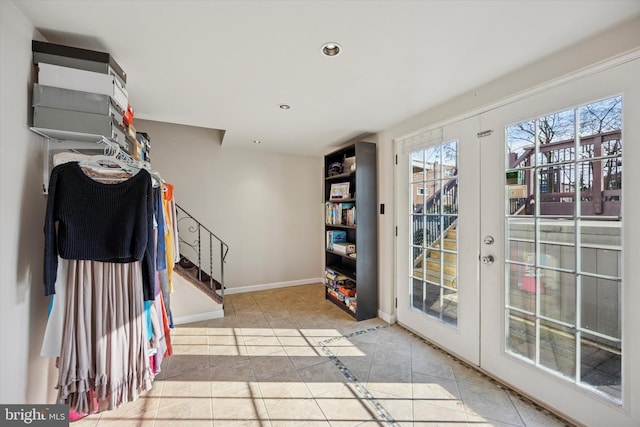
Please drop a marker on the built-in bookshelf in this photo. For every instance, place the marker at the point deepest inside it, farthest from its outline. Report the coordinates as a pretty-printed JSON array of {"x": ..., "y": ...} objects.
[{"x": 351, "y": 229}]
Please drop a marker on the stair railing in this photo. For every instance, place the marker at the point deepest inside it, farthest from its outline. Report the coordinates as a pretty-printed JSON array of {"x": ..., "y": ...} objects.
[{"x": 195, "y": 250}]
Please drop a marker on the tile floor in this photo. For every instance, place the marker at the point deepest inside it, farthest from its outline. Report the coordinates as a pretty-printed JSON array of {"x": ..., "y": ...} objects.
[{"x": 288, "y": 357}]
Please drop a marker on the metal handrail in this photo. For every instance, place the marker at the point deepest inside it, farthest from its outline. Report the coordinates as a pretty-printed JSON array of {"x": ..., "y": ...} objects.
[{"x": 197, "y": 228}]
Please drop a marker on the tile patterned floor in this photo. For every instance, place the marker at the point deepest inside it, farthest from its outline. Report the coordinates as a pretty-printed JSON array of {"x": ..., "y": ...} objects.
[{"x": 287, "y": 357}]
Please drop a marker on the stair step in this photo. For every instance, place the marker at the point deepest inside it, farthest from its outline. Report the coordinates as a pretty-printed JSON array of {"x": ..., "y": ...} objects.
[
  {"x": 447, "y": 256},
  {"x": 451, "y": 234},
  {"x": 451, "y": 244},
  {"x": 448, "y": 280},
  {"x": 450, "y": 267},
  {"x": 204, "y": 286}
]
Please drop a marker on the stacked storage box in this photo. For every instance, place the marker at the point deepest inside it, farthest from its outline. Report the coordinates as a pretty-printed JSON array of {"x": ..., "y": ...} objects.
[{"x": 79, "y": 91}]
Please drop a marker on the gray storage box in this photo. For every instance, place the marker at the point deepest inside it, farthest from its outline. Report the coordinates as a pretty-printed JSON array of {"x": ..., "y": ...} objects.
[
  {"x": 74, "y": 100},
  {"x": 79, "y": 122},
  {"x": 85, "y": 81}
]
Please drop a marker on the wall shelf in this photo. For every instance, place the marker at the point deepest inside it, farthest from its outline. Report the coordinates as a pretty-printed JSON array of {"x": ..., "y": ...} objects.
[{"x": 60, "y": 140}]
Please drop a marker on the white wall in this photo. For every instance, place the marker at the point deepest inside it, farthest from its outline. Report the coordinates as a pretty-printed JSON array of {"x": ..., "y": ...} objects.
[
  {"x": 266, "y": 206},
  {"x": 26, "y": 377},
  {"x": 614, "y": 42}
]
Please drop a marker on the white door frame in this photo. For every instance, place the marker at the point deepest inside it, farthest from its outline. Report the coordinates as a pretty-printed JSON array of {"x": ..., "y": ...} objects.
[
  {"x": 573, "y": 401},
  {"x": 463, "y": 340}
]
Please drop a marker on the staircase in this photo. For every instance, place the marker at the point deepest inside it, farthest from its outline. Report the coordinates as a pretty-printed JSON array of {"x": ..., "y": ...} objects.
[
  {"x": 191, "y": 272},
  {"x": 440, "y": 265},
  {"x": 200, "y": 270}
]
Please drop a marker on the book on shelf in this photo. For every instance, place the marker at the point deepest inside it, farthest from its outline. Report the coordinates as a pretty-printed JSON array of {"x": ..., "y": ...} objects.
[
  {"x": 340, "y": 213},
  {"x": 335, "y": 236}
]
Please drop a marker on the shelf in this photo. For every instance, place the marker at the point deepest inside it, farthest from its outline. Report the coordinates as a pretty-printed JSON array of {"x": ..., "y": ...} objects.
[
  {"x": 353, "y": 227},
  {"x": 341, "y": 176},
  {"x": 61, "y": 140},
  {"x": 339, "y": 303},
  {"x": 349, "y": 200},
  {"x": 350, "y": 275},
  {"x": 339, "y": 254},
  {"x": 64, "y": 136}
]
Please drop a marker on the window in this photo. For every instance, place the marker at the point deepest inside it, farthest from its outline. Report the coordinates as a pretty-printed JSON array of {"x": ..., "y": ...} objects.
[
  {"x": 564, "y": 245},
  {"x": 434, "y": 244}
]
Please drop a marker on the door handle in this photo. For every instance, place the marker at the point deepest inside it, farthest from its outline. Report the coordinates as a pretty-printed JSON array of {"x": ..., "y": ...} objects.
[{"x": 488, "y": 260}]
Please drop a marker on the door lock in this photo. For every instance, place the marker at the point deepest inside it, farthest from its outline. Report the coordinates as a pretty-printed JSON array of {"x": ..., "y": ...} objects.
[
  {"x": 488, "y": 240},
  {"x": 488, "y": 260}
]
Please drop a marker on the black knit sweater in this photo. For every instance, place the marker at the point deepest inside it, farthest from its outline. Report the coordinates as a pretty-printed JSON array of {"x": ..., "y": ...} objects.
[{"x": 100, "y": 222}]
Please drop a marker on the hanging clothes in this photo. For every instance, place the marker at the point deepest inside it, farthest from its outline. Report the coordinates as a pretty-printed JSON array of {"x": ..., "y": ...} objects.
[
  {"x": 99, "y": 221},
  {"x": 105, "y": 232},
  {"x": 104, "y": 350}
]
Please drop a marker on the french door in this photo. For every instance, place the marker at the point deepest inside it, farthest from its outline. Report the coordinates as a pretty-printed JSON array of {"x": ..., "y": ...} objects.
[{"x": 518, "y": 251}]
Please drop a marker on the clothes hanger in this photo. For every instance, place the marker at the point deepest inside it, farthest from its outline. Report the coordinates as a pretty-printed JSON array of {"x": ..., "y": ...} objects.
[{"x": 111, "y": 161}]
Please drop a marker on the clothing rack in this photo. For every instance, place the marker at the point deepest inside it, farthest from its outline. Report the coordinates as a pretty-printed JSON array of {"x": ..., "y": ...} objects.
[{"x": 60, "y": 140}]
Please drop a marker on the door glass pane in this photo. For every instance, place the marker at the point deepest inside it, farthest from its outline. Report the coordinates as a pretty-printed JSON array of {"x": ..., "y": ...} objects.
[
  {"x": 601, "y": 365},
  {"x": 563, "y": 243},
  {"x": 434, "y": 196},
  {"x": 521, "y": 334},
  {"x": 557, "y": 190},
  {"x": 558, "y": 348}
]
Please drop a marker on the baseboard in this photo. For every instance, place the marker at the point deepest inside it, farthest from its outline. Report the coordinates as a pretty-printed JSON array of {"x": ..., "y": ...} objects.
[
  {"x": 389, "y": 318},
  {"x": 267, "y": 286},
  {"x": 198, "y": 317}
]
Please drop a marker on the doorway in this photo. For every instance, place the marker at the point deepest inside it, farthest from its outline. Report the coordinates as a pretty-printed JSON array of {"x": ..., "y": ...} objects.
[{"x": 513, "y": 254}]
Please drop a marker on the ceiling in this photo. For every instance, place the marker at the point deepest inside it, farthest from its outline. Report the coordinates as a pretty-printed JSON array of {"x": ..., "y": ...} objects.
[{"x": 229, "y": 64}]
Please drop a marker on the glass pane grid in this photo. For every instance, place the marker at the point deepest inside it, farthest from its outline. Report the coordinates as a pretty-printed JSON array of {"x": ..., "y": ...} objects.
[
  {"x": 434, "y": 193},
  {"x": 563, "y": 279}
]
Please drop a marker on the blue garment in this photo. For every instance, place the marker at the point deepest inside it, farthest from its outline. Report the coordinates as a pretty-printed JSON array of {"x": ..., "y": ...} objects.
[{"x": 158, "y": 210}]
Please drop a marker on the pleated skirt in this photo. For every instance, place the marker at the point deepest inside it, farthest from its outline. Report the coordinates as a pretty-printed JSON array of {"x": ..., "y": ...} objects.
[{"x": 103, "y": 360}]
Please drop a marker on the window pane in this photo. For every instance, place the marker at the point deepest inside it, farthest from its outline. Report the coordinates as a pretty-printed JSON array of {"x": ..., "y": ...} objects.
[
  {"x": 432, "y": 162},
  {"x": 521, "y": 145},
  {"x": 602, "y": 116},
  {"x": 601, "y": 187},
  {"x": 418, "y": 169},
  {"x": 601, "y": 306},
  {"x": 450, "y": 159},
  {"x": 556, "y": 134},
  {"x": 433, "y": 239},
  {"x": 558, "y": 348},
  {"x": 557, "y": 190},
  {"x": 558, "y": 296},
  {"x": 418, "y": 191},
  {"x": 601, "y": 365},
  {"x": 521, "y": 335}
]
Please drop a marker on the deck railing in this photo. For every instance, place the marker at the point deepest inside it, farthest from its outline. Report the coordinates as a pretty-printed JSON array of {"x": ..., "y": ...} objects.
[{"x": 597, "y": 181}]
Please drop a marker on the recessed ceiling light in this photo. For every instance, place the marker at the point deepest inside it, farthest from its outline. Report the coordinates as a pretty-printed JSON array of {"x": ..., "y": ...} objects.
[
  {"x": 284, "y": 106},
  {"x": 256, "y": 141},
  {"x": 331, "y": 49}
]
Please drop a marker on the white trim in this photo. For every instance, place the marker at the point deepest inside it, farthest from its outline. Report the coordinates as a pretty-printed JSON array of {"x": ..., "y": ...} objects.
[
  {"x": 199, "y": 317},
  {"x": 550, "y": 84},
  {"x": 389, "y": 318},
  {"x": 276, "y": 285}
]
